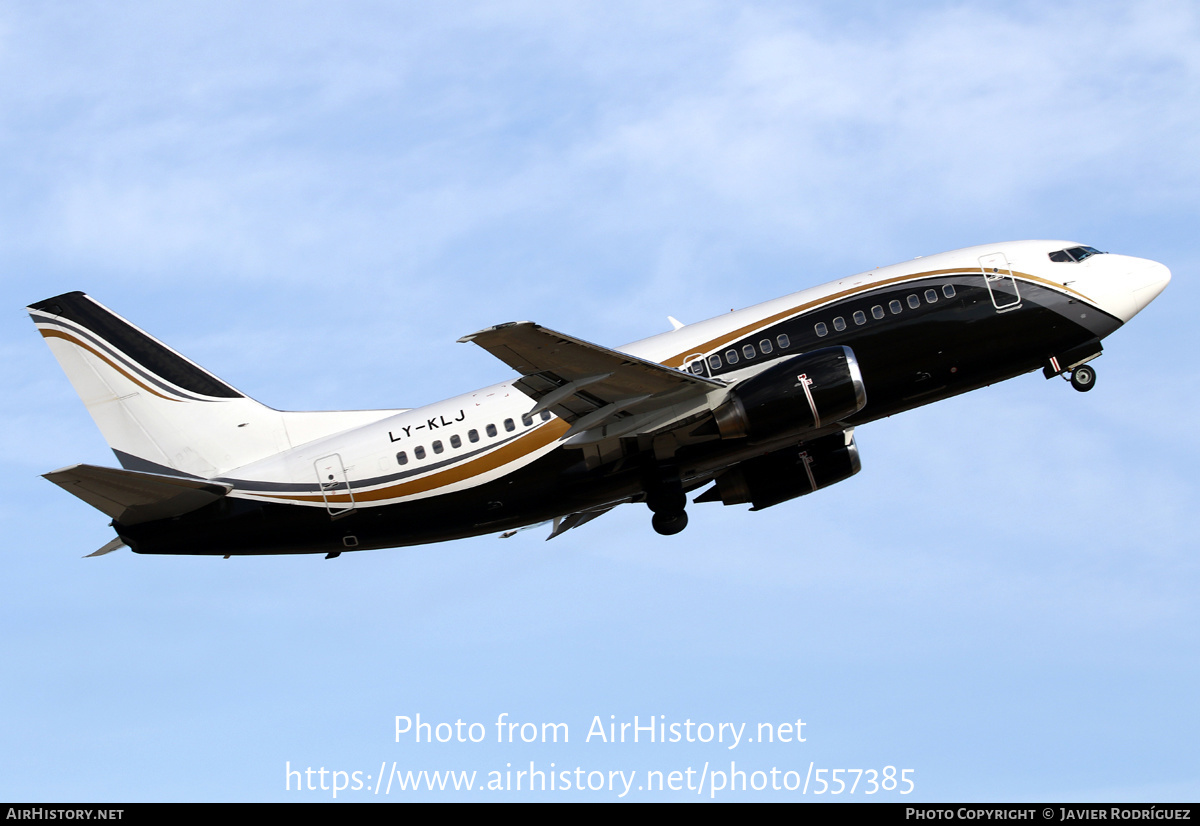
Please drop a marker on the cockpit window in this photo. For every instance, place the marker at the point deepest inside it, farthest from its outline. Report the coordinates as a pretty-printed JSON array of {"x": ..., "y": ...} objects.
[{"x": 1074, "y": 254}]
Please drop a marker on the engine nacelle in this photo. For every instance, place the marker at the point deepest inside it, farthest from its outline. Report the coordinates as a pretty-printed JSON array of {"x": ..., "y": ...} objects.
[
  {"x": 786, "y": 474},
  {"x": 801, "y": 393}
]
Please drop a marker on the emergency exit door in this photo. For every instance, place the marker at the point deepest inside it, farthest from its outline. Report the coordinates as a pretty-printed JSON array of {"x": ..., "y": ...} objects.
[{"x": 335, "y": 486}]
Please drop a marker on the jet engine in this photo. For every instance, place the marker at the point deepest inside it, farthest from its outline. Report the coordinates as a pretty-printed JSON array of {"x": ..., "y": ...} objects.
[
  {"x": 801, "y": 393},
  {"x": 786, "y": 474}
]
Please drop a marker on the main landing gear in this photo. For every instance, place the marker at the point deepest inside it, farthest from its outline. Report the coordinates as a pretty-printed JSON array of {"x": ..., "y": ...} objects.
[
  {"x": 665, "y": 497},
  {"x": 1083, "y": 378},
  {"x": 669, "y": 524}
]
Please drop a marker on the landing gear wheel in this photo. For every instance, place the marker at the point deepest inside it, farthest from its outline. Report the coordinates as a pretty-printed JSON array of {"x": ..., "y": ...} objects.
[
  {"x": 669, "y": 523},
  {"x": 1083, "y": 378}
]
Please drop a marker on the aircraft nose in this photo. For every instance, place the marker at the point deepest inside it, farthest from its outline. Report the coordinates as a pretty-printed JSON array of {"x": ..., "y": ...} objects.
[
  {"x": 1123, "y": 285},
  {"x": 1147, "y": 280}
]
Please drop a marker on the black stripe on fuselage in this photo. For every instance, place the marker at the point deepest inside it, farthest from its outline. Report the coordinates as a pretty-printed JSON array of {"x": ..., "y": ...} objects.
[
  {"x": 357, "y": 485},
  {"x": 951, "y": 344},
  {"x": 910, "y": 359},
  {"x": 550, "y": 486}
]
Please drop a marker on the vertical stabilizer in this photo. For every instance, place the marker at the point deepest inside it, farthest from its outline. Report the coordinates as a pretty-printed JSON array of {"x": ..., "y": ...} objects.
[{"x": 155, "y": 408}]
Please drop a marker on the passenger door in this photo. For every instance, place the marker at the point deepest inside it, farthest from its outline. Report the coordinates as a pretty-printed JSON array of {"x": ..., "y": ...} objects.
[{"x": 1002, "y": 287}]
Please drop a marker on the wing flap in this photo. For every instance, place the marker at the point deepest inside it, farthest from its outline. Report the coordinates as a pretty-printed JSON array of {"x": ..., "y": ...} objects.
[
  {"x": 586, "y": 385},
  {"x": 131, "y": 496}
]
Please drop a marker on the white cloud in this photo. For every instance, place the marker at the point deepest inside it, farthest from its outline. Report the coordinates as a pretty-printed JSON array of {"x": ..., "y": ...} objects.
[{"x": 258, "y": 145}]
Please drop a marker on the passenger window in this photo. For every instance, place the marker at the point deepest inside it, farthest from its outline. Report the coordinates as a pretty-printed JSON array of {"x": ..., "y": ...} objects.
[
  {"x": 948, "y": 291},
  {"x": 765, "y": 346},
  {"x": 491, "y": 430},
  {"x": 473, "y": 435},
  {"x": 510, "y": 425},
  {"x": 860, "y": 317},
  {"x": 545, "y": 415},
  {"x": 455, "y": 441},
  {"x": 782, "y": 341},
  {"x": 821, "y": 329},
  {"x": 714, "y": 362},
  {"x": 731, "y": 356},
  {"x": 437, "y": 446},
  {"x": 877, "y": 311},
  {"x": 748, "y": 351},
  {"x": 419, "y": 451},
  {"x": 527, "y": 420},
  {"x": 402, "y": 458},
  {"x": 839, "y": 324},
  {"x": 895, "y": 307},
  {"x": 697, "y": 367},
  {"x": 914, "y": 301},
  {"x": 931, "y": 296}
]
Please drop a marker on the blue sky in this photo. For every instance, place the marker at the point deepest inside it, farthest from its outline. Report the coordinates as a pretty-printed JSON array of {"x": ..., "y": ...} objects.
[{"x": 314, "y": 201}]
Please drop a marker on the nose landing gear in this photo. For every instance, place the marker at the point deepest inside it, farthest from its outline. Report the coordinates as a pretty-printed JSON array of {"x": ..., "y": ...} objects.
[
  {"x": 1072, "y": 364},
  {"x": 1083, "y": 378}
]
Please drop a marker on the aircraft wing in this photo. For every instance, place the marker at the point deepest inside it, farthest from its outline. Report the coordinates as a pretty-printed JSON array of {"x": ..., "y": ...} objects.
[{"x": 600, "y": 392}]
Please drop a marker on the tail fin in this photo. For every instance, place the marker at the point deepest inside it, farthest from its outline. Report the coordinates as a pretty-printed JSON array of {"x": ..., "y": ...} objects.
[
  {"x": 161, "y": 412},
  {"x": 156, "y": 409}
]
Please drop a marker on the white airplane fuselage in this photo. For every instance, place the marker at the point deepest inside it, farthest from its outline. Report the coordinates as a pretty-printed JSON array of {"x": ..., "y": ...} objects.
[{"x": 762, "y": 400}]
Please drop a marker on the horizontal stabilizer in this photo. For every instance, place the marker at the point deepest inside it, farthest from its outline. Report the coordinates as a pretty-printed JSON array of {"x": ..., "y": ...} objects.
[{"x": 131, "y": 497}]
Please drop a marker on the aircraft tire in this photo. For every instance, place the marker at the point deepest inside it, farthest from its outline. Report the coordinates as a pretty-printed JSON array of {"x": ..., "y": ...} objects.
[
  {"x": 1083, "y": 378},
  {"x": 669, "y": 524}
]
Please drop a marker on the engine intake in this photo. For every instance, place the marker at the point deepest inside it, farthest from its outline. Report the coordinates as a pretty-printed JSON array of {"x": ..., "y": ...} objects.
[{"x": 801, "y": 393}]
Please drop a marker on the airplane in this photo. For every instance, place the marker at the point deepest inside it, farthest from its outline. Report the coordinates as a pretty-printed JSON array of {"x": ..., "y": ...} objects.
[{"x": 759, "y": 404}]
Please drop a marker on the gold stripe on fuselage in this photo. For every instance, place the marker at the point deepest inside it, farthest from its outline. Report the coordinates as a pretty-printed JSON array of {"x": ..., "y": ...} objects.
[
  {"x": 722, "y": 340},
  {"x": 551, "y": 431},
  {"x": 511, "y": 452}
]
